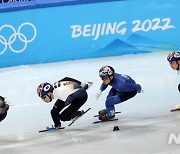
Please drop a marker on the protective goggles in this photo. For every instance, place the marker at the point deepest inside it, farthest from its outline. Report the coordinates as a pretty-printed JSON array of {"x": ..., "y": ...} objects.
[{"x": 104, "y": 77}]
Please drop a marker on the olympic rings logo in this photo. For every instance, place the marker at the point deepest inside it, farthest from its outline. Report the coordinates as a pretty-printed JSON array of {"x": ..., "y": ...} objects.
[{"x": 7, "y": 42}]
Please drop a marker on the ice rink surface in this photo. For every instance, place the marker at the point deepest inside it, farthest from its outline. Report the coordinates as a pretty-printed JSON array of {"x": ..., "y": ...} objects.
[{"x": 145, "y": 122}]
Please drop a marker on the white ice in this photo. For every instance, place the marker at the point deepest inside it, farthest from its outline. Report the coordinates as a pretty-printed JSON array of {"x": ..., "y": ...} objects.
[{"x": 145, "y": 122}]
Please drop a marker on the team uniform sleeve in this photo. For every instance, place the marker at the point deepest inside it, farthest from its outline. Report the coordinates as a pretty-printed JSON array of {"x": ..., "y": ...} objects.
[
  {"x": 103, "y": 87},
  {"x": 76, "y": 94}
]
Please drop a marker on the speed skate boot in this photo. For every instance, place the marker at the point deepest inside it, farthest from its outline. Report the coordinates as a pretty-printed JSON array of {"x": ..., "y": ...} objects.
[
  {"x": 77, "y": 114},
  {"x": 102, "y": 112},
  {"x": 51, "y": 127},
  {"x": 105, "y": 117},
  {"x": 58, "y": 126},
  {"x": 80, "y": 113}
]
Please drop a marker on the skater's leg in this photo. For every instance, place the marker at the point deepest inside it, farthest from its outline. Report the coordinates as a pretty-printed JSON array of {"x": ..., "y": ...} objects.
[
  {"x": 125, "y": 96},
  {"x": 58, "y": 106},
  {"x": 70, "y": 112},
  {"x": 116, "y": 99},
  {"x": 110, "y": 102}
]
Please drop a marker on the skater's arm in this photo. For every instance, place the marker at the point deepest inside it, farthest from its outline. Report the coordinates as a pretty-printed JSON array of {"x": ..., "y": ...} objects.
[
  {"x": 103, "y": 87},
  {"x": 76, "y": 94}
]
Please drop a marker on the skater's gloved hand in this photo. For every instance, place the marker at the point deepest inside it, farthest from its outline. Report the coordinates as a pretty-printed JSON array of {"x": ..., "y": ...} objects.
[
  {"x": 98, "y": 94},
  {"x": 87, "y": 83}
]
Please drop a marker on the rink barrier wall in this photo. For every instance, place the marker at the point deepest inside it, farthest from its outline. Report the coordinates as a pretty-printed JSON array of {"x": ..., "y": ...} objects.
[
  {"x": 9, "y": 5},
  {"x": 42, "y": 31}
]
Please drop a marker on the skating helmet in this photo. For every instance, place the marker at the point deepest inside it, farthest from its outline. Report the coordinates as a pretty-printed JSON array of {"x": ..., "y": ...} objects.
[
  {"x": 106, "y": 71},
  {"x": 44, "y": 88},
  {"x": 173, "y": 56}
]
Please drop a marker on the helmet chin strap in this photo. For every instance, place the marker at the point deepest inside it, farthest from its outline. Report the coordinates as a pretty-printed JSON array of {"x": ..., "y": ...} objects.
[
  {"x": 50, "y": 97},
  {"x": 177, "y": 68},
  {"x": 111, "y": 80}
]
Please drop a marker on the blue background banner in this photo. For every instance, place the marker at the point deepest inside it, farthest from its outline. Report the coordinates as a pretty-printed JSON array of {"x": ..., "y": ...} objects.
[
  {"x": 14, "y": 5},
  {"x": 10, "y": 1},
  {"x": 92, "y": 30}
]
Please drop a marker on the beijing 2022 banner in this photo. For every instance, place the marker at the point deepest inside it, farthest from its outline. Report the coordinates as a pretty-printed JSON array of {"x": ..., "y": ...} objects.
[{"x": 88, "y": 30}]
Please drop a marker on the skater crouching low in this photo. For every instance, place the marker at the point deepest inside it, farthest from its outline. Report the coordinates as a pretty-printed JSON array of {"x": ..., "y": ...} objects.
[
  {"x": 123, "y": 88},
  {"x": 70, "y": 94}
]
